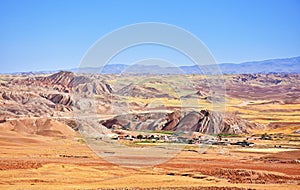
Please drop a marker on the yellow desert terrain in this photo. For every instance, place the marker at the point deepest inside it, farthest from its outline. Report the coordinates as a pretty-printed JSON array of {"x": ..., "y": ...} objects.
[
  {"x": 44, "y": 145},
  {"x": 40, "y": 162}
]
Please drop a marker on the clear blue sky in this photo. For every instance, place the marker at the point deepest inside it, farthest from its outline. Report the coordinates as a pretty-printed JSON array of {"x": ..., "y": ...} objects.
[{"x": 55, "y": 34}]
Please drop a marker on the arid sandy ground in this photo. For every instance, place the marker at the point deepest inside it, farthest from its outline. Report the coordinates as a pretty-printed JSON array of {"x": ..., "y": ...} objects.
[{"x": 37, "y": 162}]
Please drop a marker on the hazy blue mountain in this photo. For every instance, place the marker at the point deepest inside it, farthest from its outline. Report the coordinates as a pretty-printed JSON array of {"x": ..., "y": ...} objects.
[
  {"x": 107, "y": 69},
  {"x": 287, "y": 65}
]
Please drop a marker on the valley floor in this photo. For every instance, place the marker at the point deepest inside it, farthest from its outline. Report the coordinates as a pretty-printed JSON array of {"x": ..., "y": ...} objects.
[{"x": 39, "y": 162}]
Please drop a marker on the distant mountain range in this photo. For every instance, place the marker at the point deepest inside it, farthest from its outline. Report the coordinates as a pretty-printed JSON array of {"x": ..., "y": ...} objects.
[{"x": 286, "y": 65}]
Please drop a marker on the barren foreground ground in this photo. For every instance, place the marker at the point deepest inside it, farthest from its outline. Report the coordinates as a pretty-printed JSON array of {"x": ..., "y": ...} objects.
[{"x": 38, "y": 162}]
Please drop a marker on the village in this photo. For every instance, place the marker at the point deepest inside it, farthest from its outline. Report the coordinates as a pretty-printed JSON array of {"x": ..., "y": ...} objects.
[{"x": 196, "y": 138}]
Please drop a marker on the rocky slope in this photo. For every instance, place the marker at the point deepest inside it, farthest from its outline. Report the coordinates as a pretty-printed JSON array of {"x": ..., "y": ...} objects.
[
  {"x": 275, "y": 87},
  {"x": 207, "y": 122},
  {"x": 38, "y": 126},
  {"x": 62, "y": 94},
  {"x": 47, "y": 95},
  {"x": 134, "y": 90}
]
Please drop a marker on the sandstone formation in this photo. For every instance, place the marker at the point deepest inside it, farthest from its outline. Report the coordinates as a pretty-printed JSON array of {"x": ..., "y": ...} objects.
[
  {"x": 134, "y": 90},
  {"x": 40, "y": 126},
  {"x": 66, "y": 95},
  {"x": 207, "y": 122}
]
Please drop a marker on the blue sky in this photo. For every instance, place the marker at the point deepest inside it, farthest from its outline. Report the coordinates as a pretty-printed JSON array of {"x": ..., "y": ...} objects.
[{"x": 55, "y": 34}]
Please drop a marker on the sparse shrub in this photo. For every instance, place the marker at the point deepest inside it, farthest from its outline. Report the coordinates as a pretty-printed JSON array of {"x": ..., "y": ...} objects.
[{"x": 140, "y": 136}]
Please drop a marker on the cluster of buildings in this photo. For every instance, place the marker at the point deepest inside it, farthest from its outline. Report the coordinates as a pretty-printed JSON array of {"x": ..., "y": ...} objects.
[{"x": 168, "y": 138}]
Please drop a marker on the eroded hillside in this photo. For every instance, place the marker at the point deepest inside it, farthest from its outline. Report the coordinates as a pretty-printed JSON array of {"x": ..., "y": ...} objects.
[{"x": 252, "y": 100}]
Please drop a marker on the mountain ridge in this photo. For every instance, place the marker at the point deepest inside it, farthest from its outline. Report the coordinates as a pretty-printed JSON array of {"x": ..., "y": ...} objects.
[{"x": 281, "y": 65}]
